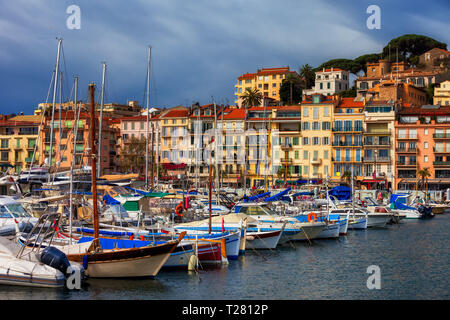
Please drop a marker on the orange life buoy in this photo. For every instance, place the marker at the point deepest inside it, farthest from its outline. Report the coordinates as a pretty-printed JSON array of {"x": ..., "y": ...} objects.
[
  {"x": 179, "y": 208},
  {"x": 312, "y": 214}
]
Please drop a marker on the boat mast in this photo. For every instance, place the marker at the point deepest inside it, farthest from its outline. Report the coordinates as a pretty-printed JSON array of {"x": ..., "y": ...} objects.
[
  {"x": 60, "y": 121},
  {"x": 53, "y": 105},
  {"x": 216, "y": 164},
  {"x": 148, "y": 116},
  {"x": 93, "y": 165},
  {"x": 73, "y": 159},
  {"x": 101, "y": 120},
  {"x": 353, "y": 195}
]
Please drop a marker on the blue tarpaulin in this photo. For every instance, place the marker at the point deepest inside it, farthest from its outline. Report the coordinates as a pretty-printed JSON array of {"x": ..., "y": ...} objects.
[
  {"x": 110, "y": 200},
  {"x": 341, "y": 192},
  {"x": 278, "y": 196}
]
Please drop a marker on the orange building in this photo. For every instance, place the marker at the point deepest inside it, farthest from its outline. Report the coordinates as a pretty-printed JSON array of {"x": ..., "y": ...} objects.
[
  {"x": 63, "y": 152},
  {"x": 404, "y": 92},
  {"x": 423, "y": 141}
]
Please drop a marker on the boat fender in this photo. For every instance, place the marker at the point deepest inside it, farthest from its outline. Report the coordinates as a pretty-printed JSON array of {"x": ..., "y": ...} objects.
[
  {"x": 55, "y": 258},
  {"x": 85, "y": 261},
  {"x": 179, "y": 209},
  {"x": 310, "y": 215},
  {"x": 142, "y": 237},
  {"x": 132, "y": 237}
]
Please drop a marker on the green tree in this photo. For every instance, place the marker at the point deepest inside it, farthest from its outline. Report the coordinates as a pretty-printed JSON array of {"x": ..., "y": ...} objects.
[
  {"x": 410, "y": 46},
  {"x": 132, "y": 155},
  {"x": 307, "y": 72},
  {"x": 347, "y": 177},
  {"x": 291, "y": 90},
  {"x": 251, "y": 97},
  {"x": 430, "y": 92},
  {"x": 345, "y": 64},
  {"x": 350, "y": 93}
]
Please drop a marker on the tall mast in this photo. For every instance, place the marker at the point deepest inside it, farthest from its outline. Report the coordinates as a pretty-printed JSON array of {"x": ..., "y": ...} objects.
[
  {"x": 148, "y": 116},
  {"x": 60, "y": 121},
  {"x": 73, "y": 158},
  {"x": 216, "y": 163},
  {"x": 53, "y": 107},
  {"x": 101, "y": 120},
  {"x": 93, "y": 164}
]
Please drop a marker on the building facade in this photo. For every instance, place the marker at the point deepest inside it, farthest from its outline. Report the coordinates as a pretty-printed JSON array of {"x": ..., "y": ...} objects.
[{"x": 329, "y": 82}]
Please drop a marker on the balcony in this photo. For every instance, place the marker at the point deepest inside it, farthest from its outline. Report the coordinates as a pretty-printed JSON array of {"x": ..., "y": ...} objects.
[
  {"x": 316, "y": 161},
  {"x": 440, "y": 150},
  {"x": 346, "y": 144},
  {"x": 377, "y": 159},
  {"x": 385, "y": 132},
  {"x": 441, "y": 163},
  {"x": 402, "y": 137},
  {"x": 286, "y": 146},
  {"x": 441, "y": 135},
  {"x": 404, "y": 150},
  {"x": 376, "y": 143},
  {"x": 286, "y": 160},
  {"x": 406, "y": 164},
  {"x": 348, "y": 130}
]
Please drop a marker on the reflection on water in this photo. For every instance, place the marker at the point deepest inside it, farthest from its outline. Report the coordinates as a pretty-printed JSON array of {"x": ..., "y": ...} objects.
[{"x": 413, "y": 258}]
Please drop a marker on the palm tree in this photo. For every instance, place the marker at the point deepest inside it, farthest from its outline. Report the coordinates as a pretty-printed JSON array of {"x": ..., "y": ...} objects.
[
  {"x": 347, "y": 176},
  {"x": 307, "y": 72},
  {"x": 424, "y": 174},
  {"x": 251, "y": 97},
  {"x": 284, "y": 171}
]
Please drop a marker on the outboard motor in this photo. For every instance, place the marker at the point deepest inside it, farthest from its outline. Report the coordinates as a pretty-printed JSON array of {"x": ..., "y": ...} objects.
[{"x": 55, "y": 258}]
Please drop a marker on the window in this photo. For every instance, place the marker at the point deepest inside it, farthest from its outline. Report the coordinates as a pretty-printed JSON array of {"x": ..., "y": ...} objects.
[
  {"x": 358, "y": 155},
  {"x": 132, "y": 125},
  {"x": 413, "y": 133},
  {"x": 328, "y": 85},
  {"x": 316, "y": 141},
  {"x": 296, "y": 154},
  {"x": 325, "y": 154},
  {"x": 316, "y": 113},
  {"x": 337, "y": 154},
  {"x": 425, "y": 145},
  {"x": 316, "y": 126},
  {"x": 305, "y": 141},
  {"x": 305, "y": 112},
  {"x": 321, "y": 86},
  {"x": 325, "y": 140},
  {"x": 325, "y": 111},
  {"x": 306, "y": 169},
  {"x": 142, "y": 125},
  {"x": 295, "y": 141},
  {"x": 425, "y": 158},
  {"x": 266, "y": 78},
  {"x": 326, "y": 125},
  {"x": 425, "y": 132},
  {"x": 305, "y": 126},
  {"x": 305, "y": 155}
]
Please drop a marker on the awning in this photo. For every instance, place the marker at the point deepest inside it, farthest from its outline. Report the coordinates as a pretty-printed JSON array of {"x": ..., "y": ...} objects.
[
  {"x": 373, "y": 181},
  {"x": 173, "y": 166}
]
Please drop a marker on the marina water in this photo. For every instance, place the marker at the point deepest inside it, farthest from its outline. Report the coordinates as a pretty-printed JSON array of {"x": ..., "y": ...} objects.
[{"x": 413, "y": 258}]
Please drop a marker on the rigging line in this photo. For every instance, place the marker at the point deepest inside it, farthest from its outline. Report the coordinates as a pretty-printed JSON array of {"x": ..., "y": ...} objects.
[
  {"x": 40, "y": 126},
  {"x": 65, "y": 67}
]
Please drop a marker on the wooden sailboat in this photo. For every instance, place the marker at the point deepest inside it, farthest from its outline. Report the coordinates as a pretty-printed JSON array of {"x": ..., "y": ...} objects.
[{"x": 119, "y": 262}]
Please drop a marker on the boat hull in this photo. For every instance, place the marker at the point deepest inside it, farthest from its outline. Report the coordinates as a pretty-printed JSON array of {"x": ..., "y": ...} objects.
[
  {"x": 330, "y": 231},
  {"x": 263, "y": 240}
]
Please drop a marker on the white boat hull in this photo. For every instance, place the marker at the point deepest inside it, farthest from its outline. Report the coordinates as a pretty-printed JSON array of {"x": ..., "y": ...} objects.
[
  {"x": 263, "y": 240},
  {"x": 330, "y": 231},
  {"x": 358, "y": 224}
]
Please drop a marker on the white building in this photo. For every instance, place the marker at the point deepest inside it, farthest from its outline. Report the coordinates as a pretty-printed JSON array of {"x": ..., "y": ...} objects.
[{"x": 329, "y": 82}]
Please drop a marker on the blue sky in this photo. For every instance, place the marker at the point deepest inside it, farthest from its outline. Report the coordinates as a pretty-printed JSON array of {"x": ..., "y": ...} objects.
[{"x": 199, "y": 47}]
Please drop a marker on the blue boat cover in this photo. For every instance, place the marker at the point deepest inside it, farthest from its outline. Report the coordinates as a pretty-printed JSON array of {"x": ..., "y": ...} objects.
[
  {"x": 278, "y": 196},
  {"x": 110, "y": 200},
  {"x": 341, "y": 192}
]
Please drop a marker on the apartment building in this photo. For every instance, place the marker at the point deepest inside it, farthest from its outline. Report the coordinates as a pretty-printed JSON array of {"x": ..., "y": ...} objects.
[
  {"x": 404, "y": 92},
  {"x": 383, "y": 70},
  {"x": 442, "y": 94},
  {"x": 267, "y": 80},
  {"x": 378, "y": 144},
  {"x": 18, "y": 138},
  {"x": 316, "y": 141},
  {"x": 423, "y": 141},
  {"x": 329, "y": 82},
  {"x": 347, "y": 142}
]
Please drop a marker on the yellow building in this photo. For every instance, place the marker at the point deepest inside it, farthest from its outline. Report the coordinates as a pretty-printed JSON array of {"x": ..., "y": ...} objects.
[
  {"x": 348, "y": 139},
  {"x": 316, "y": 155},
  {"x": 286, "y": 139},
  {"x": 267, "y": 81},
  {"x": 18, "y": 136},
  {"x": 442, "y": 94}
]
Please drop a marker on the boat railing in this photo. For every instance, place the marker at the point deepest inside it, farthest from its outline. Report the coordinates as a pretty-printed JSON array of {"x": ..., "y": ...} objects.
[{"x": 43, "y": 230}]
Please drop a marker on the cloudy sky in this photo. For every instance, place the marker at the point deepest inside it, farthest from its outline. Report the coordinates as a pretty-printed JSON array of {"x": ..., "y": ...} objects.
[{"x": 199, "y": 47}]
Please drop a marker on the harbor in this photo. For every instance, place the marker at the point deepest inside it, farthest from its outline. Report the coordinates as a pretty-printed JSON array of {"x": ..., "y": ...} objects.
[{"x": 219, "y": 155}]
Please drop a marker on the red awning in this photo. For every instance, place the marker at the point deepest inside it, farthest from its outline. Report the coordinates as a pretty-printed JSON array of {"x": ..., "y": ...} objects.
[
  {"x": 173, "y": 166},
  {"x": 373, "y": 181}
]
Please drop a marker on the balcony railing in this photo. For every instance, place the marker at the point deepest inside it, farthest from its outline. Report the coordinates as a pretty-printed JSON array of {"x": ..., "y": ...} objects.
[
  {"x": 441, "y": 163},
  {"x": 347, "y": 144},
  {"x": 378, "y": 132},
  {"x": 404, "y": 137},
  {"x": 286, "y": 160},
  {"x": 404, "y": 150},
  {"x": 377, "y": 159},
  {"x": 406, "y": 164},
  {"x": 441, "y": 135},
  {"x": 349, "y": 130},
  {"x": 440, "y": 150}
]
